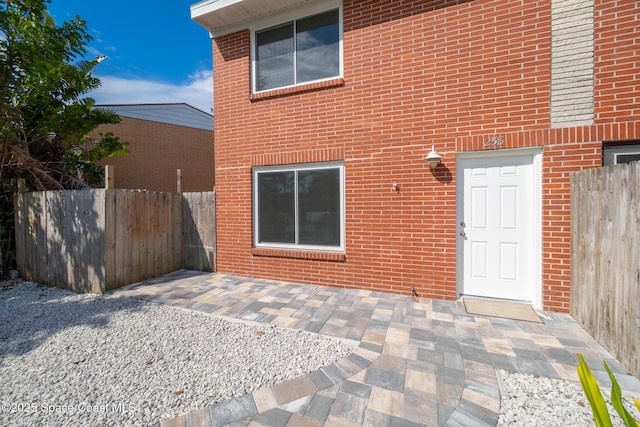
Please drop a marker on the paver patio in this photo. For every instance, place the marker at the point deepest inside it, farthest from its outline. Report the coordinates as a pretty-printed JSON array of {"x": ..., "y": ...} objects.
[{"x": 417, "y": 363}]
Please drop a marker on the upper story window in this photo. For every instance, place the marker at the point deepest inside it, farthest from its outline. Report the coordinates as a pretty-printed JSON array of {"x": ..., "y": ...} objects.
[{"x": 300, "y": 51}]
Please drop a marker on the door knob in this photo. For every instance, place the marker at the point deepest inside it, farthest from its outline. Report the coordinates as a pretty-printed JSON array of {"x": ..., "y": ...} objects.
[{"x": 463, "y": 234}]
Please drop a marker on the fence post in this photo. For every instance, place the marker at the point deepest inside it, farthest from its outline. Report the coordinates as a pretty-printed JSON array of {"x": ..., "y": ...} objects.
[
  {"x": 183, "y": 206},
  {"x": 22, "y": 186},
  {"x": 108, "y": 177}
]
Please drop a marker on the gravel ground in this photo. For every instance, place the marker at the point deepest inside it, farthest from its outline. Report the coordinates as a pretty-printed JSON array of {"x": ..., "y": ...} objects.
[
  {"x": 537, "y": 401},
  {"x": 91, "y": 360}
]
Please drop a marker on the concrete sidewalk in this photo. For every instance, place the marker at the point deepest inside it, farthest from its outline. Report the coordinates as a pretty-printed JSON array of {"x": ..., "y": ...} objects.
[{"x": 418, "y": 363}]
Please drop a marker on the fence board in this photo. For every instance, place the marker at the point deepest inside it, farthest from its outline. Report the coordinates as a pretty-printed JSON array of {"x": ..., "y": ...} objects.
[
  {"x": 26, "y": 238},
  {"x": 208, "y": 228},
  {"x": 159, "y": 209},
  {"x": 178, "y": 223},
  {"x": 193, "y": 256},
  {"x": 126, "y": 215},
  {"x": 68, "y": 230},
  {"x": 54, "y": 207},
  {"x": 97, "y": 249},
  {"x": 23, "y": 201},
  {"x": 18, "y": 218},
  {"x": 149, "y": 241},
  {"x": 136, "y": 233},
  {"x": 120, "y": 224},
  {"x": 36, "y": 235},
  {"x": 84, "y": 238},
  {"x": 199, "y": 231},
  {"x": 110, "y": 228},
  {"x": 165, "y": 224},
  {"x": 605, "y": 261}
]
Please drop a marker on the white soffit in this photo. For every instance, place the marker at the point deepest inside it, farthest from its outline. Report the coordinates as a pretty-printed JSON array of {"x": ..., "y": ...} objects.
[{"x": 226, "y": 16}]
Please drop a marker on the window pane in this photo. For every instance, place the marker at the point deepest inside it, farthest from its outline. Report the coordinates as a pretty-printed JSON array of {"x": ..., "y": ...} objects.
[
  {"x": 627, "y": 158},
  {"x": 319, "y": 207},
  {"x": 274, "y": 62},
  {"x": 276, "y": 207},
  {"x": 318, "y": 47}
]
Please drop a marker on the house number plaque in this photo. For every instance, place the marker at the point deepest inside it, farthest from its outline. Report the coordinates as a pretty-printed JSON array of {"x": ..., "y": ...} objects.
[{"x": 494, "y": 141}]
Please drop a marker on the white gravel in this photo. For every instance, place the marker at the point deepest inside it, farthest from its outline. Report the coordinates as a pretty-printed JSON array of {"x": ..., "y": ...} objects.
[
  {"x": 107, "y": 360},
  {"x": 527, "y": 400}
]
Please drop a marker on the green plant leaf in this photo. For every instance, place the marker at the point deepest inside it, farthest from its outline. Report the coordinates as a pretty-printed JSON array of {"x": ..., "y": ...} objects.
[
  {"x": 616, "y": 400},
  {"x": 592, "y": 391}
]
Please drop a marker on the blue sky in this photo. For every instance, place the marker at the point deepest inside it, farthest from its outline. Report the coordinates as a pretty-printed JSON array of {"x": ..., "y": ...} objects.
[{"x": 155, "y": 52}]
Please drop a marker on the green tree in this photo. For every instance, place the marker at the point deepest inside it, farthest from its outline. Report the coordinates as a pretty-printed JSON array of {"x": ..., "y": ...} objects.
[{"x": 45, "y": 115}]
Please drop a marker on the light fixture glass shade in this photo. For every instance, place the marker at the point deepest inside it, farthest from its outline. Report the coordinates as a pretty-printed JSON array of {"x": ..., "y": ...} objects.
[{"x": 433, "y": 158}]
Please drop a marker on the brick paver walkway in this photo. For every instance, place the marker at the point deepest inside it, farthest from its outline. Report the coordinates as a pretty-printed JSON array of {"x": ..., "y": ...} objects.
[{"x": 418, "y": 363}]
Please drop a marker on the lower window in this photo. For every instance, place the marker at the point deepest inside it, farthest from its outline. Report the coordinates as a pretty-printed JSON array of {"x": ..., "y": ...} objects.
[
  {"x": 617, "y": 154},
  {"x": 299, "y": 206}
]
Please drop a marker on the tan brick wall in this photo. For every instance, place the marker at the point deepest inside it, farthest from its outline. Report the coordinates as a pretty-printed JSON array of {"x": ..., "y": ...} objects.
[
  {"x": 156, "y": 151},
  {"x": 447, "y": 73}
]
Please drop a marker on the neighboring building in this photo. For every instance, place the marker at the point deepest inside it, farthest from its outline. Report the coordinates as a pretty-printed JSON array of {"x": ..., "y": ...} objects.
[
  {"x": 162, "y": 138},
  {"x": 326, "y": 111}
]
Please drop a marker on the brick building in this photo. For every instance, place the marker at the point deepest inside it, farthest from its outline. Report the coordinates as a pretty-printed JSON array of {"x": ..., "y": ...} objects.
[
  {"x": 162, "y": 138},
  {"x": 326, "y": 112}
]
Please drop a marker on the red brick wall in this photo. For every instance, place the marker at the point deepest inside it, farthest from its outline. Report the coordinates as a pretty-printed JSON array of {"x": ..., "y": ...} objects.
[
  {"x": 617, "y": 63},
  {"x": 436, "y": 72},
  {"x": 156, "y": 151}
]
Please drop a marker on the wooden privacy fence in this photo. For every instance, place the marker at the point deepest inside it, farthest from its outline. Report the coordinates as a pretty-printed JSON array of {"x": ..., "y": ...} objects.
[
  {"x": 96, "y": 240},
  {"x": 605, "y": 258}
]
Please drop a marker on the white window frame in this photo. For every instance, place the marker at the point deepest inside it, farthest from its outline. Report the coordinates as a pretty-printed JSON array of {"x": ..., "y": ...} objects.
[
  {"x": 307, "y": 11},
  {"x": 296, "y": 168}
]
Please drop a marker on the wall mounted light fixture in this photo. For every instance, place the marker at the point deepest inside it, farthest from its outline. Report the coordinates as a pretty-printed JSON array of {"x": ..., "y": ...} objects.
[{"x": 433, "y": 158}]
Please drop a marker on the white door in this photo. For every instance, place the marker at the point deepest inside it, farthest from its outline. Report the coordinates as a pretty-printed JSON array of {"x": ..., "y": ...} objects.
[{"x": 497, "y": 212}]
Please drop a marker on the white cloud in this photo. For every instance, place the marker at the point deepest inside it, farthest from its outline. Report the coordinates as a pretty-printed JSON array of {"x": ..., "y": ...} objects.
[{"x": 197, "y": 91}]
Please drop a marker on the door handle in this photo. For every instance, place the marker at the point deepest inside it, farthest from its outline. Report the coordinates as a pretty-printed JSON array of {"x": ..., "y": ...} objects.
[{"x": 463, "y": 234}]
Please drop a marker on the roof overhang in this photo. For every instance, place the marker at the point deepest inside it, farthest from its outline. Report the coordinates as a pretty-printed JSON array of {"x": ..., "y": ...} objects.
[{"x": 221, "y": 17}]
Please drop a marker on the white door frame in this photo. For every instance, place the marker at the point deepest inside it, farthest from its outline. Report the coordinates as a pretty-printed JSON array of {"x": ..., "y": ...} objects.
[{"x": 536, "y": 152}]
